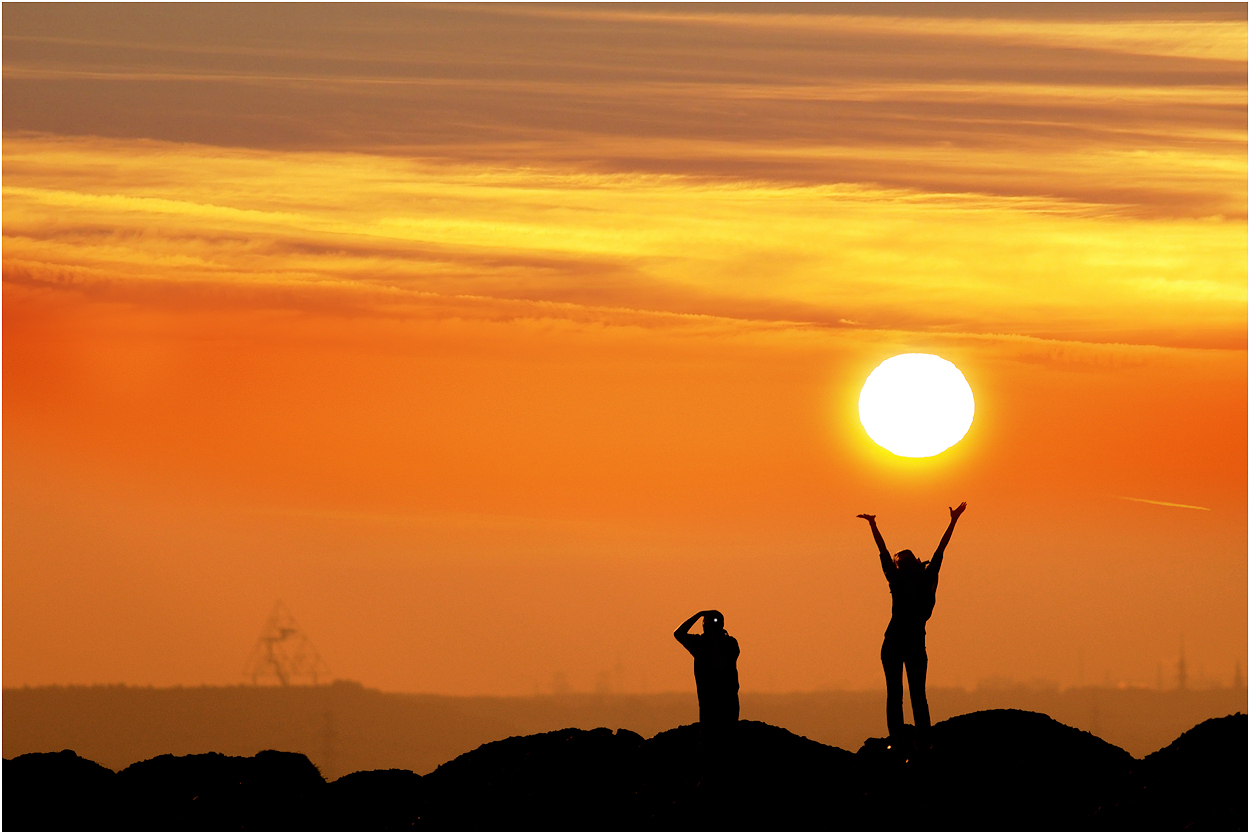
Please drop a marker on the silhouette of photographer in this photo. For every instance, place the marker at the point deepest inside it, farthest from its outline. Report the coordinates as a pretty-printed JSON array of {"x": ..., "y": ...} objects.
[
  {"x": 715, "y": 669},
  {"x": 913, "y": 586}
]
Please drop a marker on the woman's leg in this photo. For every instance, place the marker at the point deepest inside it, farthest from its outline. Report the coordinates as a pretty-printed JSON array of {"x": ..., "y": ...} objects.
[
  {"x": 892, "y": 663},
  {"x": 917, "y": 669}
]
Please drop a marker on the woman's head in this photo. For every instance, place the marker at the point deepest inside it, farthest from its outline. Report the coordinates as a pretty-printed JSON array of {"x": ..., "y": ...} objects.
[{"x": 906, "y": 560}]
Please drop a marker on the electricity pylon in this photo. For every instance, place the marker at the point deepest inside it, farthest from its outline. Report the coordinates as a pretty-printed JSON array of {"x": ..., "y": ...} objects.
[{"x": 284, "y": 652}]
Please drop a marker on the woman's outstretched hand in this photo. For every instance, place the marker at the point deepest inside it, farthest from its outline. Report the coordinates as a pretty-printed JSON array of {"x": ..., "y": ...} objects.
[{"x": 956, "y": 512}]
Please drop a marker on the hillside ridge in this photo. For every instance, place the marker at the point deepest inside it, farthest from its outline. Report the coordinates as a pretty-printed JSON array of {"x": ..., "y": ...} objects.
[{"x": 994, "y": 769}]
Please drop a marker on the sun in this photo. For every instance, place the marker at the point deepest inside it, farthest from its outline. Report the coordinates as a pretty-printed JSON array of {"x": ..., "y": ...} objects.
[{"x": 916, "y": 405}]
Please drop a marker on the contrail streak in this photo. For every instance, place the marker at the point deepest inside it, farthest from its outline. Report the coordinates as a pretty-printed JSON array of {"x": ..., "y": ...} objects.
[{"x": 1162, "y": 503}]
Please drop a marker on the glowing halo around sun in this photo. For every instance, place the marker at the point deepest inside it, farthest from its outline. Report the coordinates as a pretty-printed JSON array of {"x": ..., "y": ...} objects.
[{"x": 916, "y": 405}]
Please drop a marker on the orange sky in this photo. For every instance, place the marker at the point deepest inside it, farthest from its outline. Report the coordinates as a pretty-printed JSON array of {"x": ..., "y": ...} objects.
[{"x": 496, "y": 341}]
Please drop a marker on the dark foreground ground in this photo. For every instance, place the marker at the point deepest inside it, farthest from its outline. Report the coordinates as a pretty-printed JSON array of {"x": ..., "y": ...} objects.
[
  {"x": 997, "y": 769},
  {"x": 344, "y": 727}
]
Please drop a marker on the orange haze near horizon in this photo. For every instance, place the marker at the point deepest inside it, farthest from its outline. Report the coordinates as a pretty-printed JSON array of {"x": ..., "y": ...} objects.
[{"x": 496, "y": 341}]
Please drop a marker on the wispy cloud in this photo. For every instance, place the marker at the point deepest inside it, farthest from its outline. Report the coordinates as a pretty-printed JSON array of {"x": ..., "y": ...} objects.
[
  {"x": 1139, "y": 109},
  {"x": 1141, "y": 31},
  {"x": 1068, "y": 175},
  {"x": 109, "y": 213}
]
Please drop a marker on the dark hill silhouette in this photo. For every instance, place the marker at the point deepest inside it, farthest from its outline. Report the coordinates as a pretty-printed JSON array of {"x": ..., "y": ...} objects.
[
  {"x": 57, "y": 792},
  {"x": 765, "y": 778},
  {"x": 1000, "y": 769},
  {"x": 1197, "y": 782},
  {"x": 204, "y": 792},
  {"x": 345, "y": 727},
  {"x": 567, "y": 779},
  {"x": 212, "y": 792},
  {"x": 375, "y": 800}
]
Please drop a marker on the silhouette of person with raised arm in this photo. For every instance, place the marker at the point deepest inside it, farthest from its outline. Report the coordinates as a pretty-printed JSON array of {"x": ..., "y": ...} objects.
[
  {"x": 913, "y": 585},
  {"x": 715, "y": 670}
]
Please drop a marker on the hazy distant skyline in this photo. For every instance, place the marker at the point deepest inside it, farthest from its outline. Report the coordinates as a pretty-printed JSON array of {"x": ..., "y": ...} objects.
[{"x": 496, "y": 340}]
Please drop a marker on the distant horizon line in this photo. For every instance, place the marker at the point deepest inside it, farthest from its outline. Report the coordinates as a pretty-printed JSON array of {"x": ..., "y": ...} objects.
[{"x": 341, "y": 683}]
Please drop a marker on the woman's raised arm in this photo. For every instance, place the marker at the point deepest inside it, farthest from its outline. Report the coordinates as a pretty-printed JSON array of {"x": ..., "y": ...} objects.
[
  {"x": 887, "y": 564},
  {"x": 956, "y": 512}
]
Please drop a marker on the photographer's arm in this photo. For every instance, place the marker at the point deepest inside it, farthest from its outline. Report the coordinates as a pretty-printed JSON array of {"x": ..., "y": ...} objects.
[{"x": 684, "y": 629}]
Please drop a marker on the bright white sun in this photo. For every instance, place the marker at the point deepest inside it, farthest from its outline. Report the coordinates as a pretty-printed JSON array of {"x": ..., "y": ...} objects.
[{"x": 916, "y": 405}]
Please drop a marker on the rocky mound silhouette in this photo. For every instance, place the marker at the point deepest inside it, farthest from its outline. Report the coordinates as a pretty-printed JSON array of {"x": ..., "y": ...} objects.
[
  {"x": 1197, "y": 782},
  {"x": 57, "y": 792},
  {"x": 213, "y": 792},
  {"x": 764, "y": 777},
  {"x": 203, "y": 792},
  {"x": 999, "y": 769}
]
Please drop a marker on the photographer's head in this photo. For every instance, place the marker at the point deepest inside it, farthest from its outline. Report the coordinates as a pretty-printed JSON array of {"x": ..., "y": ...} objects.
[{"x": 713, "y": 622}]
